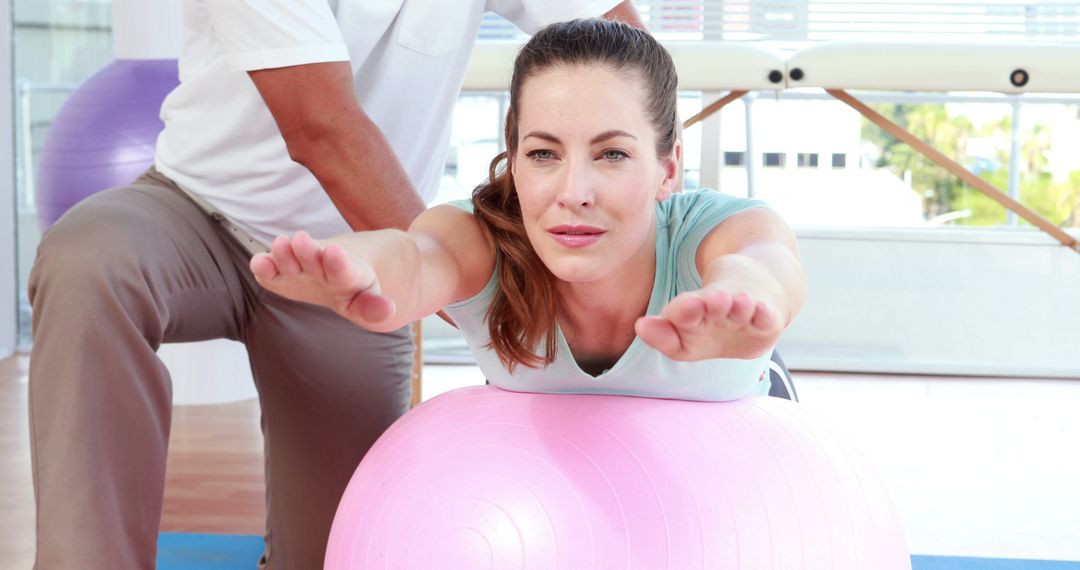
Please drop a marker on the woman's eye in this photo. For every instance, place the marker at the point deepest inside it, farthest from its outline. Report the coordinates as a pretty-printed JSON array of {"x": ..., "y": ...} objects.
[
  {"x": 540, "y": 154},
  {"x": 614, "y": 155}
]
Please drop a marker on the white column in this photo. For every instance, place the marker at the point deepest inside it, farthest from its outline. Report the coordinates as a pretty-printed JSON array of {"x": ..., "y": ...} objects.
[
  {"x": 146, "y": 29},
  {"x": 1014, "y": 160},
  {"x": 751, "y": 153},
  {"x": 712, "y": 152},
  {"x": 8, "y": 270}
]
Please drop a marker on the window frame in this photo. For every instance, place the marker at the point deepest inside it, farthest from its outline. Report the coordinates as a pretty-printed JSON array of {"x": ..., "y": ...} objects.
[{"x": 8, "y": 251}]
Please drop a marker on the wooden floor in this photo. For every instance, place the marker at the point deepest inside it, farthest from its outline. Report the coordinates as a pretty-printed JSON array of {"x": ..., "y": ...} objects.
[
  {"x": 16, "y": 500},
  {"x": 214, "y": 477}
]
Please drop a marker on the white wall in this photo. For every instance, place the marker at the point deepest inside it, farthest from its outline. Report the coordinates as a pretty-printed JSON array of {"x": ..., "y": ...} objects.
[
  {"x": 7, "y": 188},
  {"x": 950, "y": 301},
  {"x": 146, "y": 29},
  {"x": 941, "y": 302}
]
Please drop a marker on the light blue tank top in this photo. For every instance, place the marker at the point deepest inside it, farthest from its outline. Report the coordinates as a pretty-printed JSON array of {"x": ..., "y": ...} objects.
[{"x": 683, "y": 221}]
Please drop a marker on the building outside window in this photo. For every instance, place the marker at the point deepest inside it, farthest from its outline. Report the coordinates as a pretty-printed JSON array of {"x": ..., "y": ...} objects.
[
  {"x": 774, "y": 159},
  {"x": 807, "y": 160},
  {"x": 734, "y": 158}
]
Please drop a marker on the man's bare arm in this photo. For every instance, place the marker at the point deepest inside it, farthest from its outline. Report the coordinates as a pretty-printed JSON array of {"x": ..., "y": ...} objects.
[{"x": 327, "y": 131}]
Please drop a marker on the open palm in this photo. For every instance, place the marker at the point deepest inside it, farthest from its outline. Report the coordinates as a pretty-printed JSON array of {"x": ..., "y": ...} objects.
[
  {"x": 700, "y": 325},
  {"x": 302, "y": 269}
]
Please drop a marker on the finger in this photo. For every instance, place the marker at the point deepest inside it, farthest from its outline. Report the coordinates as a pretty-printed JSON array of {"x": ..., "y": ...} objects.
[
  {"x": 263, "y": 267},
  {"x": 343, "y": 275},
  {"x": 370, "y": 308},
  {"x": 309, "y": 255},
  {"x": 717, "y": 306},
  {"x": 284, "y": 258},
  {"x": 685, "y": 311},
  {"x": 765, "y": 318},
  {"x": 742, "y": 309},
  {"x": 660, "y": 334}
]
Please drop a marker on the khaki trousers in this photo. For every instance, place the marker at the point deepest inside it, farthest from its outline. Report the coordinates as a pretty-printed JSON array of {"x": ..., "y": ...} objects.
[{"x": 129, "y": 269}]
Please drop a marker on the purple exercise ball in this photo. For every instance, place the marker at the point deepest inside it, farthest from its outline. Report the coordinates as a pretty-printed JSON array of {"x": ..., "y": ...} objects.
[
  {"x": 104, "y": 135},
  {"x": 486, "y": 479}
]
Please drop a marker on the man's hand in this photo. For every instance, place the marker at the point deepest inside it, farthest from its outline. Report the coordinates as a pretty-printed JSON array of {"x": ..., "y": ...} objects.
[
  {"x": 712, "y": 323},
  {"x": 305, "y": 270}
]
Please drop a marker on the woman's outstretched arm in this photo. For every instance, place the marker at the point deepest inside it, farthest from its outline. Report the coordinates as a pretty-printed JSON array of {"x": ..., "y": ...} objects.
[
  {"x": 382, "y": 280},
  {"x": 753, "y": 287}
]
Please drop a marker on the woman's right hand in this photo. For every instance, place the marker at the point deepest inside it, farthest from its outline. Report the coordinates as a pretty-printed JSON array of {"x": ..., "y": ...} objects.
[{"x": 323, "y": 273}]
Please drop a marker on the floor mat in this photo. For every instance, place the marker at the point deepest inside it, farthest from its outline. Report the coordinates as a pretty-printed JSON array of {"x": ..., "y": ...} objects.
[
  {"x": 184, "y": 551},
  {"x": 961, "y": 563}
]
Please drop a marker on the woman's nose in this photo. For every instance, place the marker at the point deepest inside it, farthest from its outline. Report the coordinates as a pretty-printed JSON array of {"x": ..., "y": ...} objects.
[{"x": 576, "y": 187}]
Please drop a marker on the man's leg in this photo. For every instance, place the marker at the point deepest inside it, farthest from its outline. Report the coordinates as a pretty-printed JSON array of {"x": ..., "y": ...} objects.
[
  {"x": 122, "y": 272},
  {"x": 328, "y": 389}
]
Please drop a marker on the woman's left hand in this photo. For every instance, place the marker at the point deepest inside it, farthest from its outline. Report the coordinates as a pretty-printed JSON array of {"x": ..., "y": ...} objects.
[{"x": 712, "y": 323}]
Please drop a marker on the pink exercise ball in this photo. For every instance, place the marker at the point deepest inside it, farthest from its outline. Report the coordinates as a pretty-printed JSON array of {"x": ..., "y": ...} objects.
[{"x": 482, "y": 478}]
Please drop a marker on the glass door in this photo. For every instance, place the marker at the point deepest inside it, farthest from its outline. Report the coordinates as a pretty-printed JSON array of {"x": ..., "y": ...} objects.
[{"x": 57, "y": 45}]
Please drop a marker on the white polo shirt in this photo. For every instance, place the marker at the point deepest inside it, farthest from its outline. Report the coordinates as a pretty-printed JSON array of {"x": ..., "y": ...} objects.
[{"x": 408, "y": 59}]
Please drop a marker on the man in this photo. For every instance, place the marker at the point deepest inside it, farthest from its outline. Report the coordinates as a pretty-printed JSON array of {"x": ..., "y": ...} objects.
[{"x": 292, "y": 114}]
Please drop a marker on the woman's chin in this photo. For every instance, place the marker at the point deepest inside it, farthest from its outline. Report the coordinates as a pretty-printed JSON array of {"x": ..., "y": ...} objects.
[{"x": 581, "y": 271}]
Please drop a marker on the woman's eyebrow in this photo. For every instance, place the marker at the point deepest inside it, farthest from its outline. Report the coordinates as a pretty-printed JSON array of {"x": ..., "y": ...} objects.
[
  {"x": 610, "y": 135},
  {"x": 543, "y": 135},
  {"x": 606, "y": 135}
]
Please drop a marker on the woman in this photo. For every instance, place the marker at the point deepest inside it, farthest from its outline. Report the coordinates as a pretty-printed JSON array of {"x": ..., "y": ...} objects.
[{"x": 576, "y": 267}]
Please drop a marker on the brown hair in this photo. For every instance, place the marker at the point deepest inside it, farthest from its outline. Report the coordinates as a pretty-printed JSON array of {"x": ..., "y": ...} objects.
[{"x": 523, "y": 311}]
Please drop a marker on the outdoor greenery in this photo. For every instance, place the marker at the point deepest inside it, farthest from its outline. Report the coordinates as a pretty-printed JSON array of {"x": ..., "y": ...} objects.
[{"x": 942, "y": 193}]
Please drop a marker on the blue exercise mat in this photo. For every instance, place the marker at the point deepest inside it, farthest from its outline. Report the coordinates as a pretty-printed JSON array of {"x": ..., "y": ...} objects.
[
  {"x": 184, "y": 551},
  {"x": 961, "y": 563}
]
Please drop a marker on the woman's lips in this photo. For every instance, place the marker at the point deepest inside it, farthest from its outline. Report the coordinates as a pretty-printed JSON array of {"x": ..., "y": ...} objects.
[{"x": 575, "y": 236}]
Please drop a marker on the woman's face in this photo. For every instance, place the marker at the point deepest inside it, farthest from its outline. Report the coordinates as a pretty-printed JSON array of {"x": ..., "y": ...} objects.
[{"x": 587, "y": 172}]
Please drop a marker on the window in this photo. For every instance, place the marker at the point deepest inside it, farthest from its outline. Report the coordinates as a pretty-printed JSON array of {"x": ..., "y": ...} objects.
[
  {"x": 734, "y": 159},
  {"x": 798, "y": 21},
  {"x": 839, "y": 160},
  {"x": 807, "y": 160},
  {"x": 774, "y": 159},
  {"x": 57, "y": 44}
]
